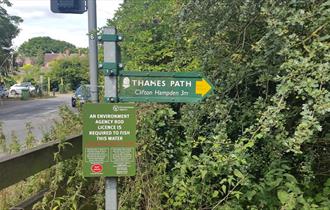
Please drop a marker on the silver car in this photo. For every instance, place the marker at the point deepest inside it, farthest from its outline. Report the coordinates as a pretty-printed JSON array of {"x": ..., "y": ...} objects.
[{"x": 17, "y": 88}]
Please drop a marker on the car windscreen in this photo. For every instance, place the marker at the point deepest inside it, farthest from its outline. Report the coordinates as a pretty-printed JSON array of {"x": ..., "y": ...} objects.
[{"x": 83, "y": 91}]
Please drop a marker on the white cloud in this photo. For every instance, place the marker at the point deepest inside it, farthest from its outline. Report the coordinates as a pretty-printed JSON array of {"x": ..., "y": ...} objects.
[{"x": 40, "y": 21}]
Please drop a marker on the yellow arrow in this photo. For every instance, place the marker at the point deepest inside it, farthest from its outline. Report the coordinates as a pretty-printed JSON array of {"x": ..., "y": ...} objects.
[{"x": 202, "y": 87}]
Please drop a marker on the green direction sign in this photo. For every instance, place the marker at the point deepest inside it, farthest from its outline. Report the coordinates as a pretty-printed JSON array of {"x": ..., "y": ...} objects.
[
  {"x": 109, "y": 140},
  {"x": 162, "y": 87}
]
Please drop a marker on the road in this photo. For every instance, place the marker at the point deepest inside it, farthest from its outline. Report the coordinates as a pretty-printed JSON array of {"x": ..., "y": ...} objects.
[{"x": 14, "y": 114}]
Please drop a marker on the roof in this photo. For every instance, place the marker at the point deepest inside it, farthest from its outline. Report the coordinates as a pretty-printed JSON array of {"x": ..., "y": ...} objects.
[{"x": 48, "y": 57}]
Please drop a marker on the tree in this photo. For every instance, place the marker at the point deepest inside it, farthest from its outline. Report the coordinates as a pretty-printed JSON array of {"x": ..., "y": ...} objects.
[
  {"x": 36, "y": 47},
  {"x": 31, "y": 74},
  {"x": 8, "y": 31},
  {"x": 147, "y": 34},
  {"x": 73, "y": 70}
]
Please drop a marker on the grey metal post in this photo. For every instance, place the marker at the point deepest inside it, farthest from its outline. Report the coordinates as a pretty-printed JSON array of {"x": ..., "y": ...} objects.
[
  {"x": 110, "y": 92},
  {"x": 92, "y": 33}
]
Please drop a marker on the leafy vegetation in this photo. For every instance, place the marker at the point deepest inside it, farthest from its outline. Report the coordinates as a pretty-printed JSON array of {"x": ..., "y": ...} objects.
[
  {"x": 8, "y": 31},
  {"x": 73, "y": 70},
  {"x": 41, "y": 45},
  {"x": 262, "y": 140},
  {"x": 66, "y": 176},
  {"x": 36, "y": 47},
  {"x": 31, "y": 73}
]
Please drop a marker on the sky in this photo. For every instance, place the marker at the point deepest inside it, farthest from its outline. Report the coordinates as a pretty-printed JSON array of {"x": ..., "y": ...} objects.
[{"x": 40, "y": 21}]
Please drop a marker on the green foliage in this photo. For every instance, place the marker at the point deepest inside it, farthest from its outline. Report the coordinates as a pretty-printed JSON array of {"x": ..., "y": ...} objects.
[
  {"x": 8, "y": 31},
  {"x": 65, "y": 180},
  {"x": 155, "y": 156},
  {"x": 30, "y": 141},
  {"x": 68, "y": 188},
  {"x": 73, "y": 70},
  {"x": 31, "y": 74},
  {"x": 9, "y": 81},
  {"x": 14, "y": 146},
  {"x": 148, "y": 36},
  {"x": 262, "y": 140},
  {"x": 38, "y": 46}
]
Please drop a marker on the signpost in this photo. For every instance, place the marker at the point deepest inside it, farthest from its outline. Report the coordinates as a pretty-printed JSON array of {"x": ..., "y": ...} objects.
[
  {"x": 109, "y": 133},
  {"x": 162, "y": 87},
  {"x": 109, "y": 140}
]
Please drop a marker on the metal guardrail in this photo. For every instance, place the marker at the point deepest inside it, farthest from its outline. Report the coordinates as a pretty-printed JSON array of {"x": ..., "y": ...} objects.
[{"x": 16, "y": 167}]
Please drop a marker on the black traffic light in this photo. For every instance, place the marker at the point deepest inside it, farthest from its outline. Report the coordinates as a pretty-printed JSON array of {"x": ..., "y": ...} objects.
[{"x": 68, "y": 6}]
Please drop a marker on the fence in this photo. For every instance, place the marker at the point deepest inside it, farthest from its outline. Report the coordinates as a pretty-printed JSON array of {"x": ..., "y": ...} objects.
[{"x": 16, "y": 167}]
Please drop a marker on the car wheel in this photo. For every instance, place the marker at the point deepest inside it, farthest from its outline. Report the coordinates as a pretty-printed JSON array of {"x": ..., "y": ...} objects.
[
  {"x": 13, "y": 92},
  {"x": 73, "y": 103}
]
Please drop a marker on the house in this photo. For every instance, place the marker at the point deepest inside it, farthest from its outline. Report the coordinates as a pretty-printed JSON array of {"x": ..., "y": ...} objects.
[{"x": 49, "y": 57}]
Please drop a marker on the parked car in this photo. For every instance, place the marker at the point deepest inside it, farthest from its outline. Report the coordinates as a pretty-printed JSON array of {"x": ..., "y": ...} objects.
[
  {"x": 32, "y": 89},
  {"x": 17, "y": 88},
  {"x": 81, "y": 95},
  {"x": 3, "y": 92}
]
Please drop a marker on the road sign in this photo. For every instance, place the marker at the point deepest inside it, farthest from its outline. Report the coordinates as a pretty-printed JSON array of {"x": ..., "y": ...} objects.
[
  {"x": 68, "y": 6},
  {"x": 109, "y": 140},
  {"x": 162, "y": 87}
]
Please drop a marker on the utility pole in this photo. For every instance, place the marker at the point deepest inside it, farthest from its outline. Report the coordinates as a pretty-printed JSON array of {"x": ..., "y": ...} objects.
[{"x": 93, "y": 63}]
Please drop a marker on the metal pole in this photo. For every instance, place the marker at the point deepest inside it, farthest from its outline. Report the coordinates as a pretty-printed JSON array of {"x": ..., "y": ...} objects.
[
  {"x": 111, "y": 55},
  {"x": 48, "y": 86},
  {"x": 111, "y": 193},
  {"x": 110, "y": 87},
  {"x": 92, "y": 32}
]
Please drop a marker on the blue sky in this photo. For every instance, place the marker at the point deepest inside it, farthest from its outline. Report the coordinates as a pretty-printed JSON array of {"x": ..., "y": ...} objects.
[{"x": 40, "y": 21}]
